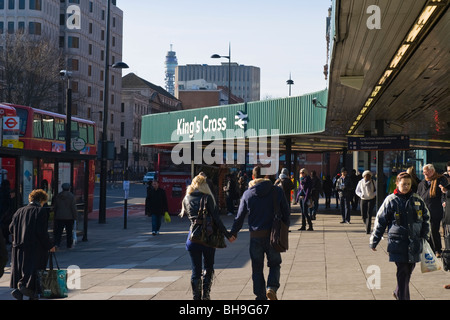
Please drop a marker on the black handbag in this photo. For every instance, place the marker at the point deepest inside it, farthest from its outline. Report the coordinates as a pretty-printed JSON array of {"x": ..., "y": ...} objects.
[
  {"x": 53, "y": 282},
  {"x": 204, "y": 230},
  {"x": 279, "y": 235}
]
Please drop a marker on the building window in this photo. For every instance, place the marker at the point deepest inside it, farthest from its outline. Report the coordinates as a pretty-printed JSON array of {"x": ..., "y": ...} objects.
[
  {"x": 11, "y": 27},
  {"x": 122, "y": 129},
  {"x": 21, "y": 4},
  {"x": 74, "y": 64},
  {"x": 35, "y": 5},
  {"x": 74, "y": 42},
  {"x": 21, "y": 27},
  {"x": 11, "y": 4},
  {"x": 34, "y": 28},
  {"x": 75, "y": 86}
]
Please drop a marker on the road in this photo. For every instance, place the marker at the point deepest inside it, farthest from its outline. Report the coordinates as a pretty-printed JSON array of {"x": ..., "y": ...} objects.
[{"x": 115, "y": 194}]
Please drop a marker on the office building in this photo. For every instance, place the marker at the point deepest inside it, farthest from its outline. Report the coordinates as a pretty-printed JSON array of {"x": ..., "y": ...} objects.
[
  {"x": 79, "y": 29},
  {"x": 244, "y": 81}
]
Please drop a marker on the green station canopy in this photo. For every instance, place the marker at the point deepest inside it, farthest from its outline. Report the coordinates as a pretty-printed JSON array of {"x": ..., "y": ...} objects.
[{"x": 278, "y": 117}]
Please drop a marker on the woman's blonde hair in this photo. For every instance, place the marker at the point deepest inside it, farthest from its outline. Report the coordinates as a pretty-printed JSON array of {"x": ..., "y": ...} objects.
[
  {"x": 199, "y": 183},
  {"x": 38, "y": 195}
]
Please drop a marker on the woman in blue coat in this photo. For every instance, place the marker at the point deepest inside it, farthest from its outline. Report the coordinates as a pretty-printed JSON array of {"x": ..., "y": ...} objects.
[{"x": 406, "y": 216}]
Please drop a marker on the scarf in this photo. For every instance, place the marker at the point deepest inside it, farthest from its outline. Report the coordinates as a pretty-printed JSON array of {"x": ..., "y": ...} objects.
[
  {"x": 433, "y": 184},
  {"x": 403, "y": 195}
]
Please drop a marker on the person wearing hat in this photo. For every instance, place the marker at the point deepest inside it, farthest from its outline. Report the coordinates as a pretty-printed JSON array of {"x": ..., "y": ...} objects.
[
  {"x": 366, "y": 191},
  {"x": 286, "y": 184},
  {"x": 65, "y": 214}
]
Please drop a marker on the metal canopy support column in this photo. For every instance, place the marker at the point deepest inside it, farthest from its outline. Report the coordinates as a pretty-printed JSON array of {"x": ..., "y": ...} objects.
[
  {"x": 86, "y": 200},
  {"x": 288, "y": 144},
  {"x": 379, "y": 125}
]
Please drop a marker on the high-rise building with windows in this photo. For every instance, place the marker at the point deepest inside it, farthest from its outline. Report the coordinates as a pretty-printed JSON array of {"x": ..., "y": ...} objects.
[
  {"x": 245, "y": 80},
  {"x": 78, "y": 27}
]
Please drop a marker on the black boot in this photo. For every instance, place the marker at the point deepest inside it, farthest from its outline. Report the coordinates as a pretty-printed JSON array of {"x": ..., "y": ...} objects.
[
  {"x": 196, "y": 285},
  {"x": 207, "y": 283}
]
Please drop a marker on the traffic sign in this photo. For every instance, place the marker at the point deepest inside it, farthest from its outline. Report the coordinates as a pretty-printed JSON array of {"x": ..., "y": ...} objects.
[{"x": 378, "y": 143}]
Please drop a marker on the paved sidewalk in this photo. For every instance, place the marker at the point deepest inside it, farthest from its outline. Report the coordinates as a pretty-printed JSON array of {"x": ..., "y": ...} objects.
[{"x": 333, "y": 262}]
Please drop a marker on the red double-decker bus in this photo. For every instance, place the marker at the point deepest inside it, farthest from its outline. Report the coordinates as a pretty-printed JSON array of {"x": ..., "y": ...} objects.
[
  {"x": 45, "y": 131},
  {"x": 174, "y": 179}
]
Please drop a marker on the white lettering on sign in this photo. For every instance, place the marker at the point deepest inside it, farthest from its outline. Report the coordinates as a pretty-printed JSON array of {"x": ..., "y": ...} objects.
[{"x": 205, "y": 125}]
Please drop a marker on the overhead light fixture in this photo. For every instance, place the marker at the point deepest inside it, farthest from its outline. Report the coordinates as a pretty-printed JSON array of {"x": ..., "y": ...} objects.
[
  {"x": 426, "y": 14},
  {"x": 385, "y": 76},
  {"x": 407, "y": 46},
  {"x": 414, "y": 32},
  {"x": 376, "y": 90},
  {"x": 399, "y": 56}
]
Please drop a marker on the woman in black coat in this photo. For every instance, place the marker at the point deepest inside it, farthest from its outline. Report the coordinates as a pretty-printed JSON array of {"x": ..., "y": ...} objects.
[
  {"x": 30, "y": 245},
  {"x": 191, "y": 204}
]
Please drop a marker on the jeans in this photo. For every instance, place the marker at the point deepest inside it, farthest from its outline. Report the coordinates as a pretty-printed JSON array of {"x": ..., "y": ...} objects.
[
  {"x": 306, "y": 217},
  {"x": 230, "y": 204},
  {"x": 367, "y": 207},
  {"x": 259, "y": 247},
  {"x": 197, "y": 254},
  {"x": 156, "y": 222},
  {"x": 345, "y": 208}
]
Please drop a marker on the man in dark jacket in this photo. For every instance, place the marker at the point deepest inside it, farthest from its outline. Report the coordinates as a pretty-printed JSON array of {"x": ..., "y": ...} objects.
[
  {"x": 156, "y": 205},
  {"x": 345, "y": 188},
  {"x": 430, "y": 192},
  {"x": 258, "y": 203},
  {"x": 65, "y": 215},
  {"x": 230, "y": 194}
]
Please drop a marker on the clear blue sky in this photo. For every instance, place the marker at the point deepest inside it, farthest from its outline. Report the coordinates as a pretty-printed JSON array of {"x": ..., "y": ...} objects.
[{"x": 279, "y": 37}]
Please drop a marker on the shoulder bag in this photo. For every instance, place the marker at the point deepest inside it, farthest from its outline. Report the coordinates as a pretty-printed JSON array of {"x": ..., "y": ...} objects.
[
  {"x": 279, "y": 235},
  {"x": 204, "y": 230}
]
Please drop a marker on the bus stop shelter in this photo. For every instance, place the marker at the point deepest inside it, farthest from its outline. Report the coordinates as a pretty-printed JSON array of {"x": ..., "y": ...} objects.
[{"x": 28, "y": 168}]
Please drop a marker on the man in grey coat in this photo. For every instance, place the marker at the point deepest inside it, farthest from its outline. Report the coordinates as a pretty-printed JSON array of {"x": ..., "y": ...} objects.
[{"x": 65, "y": 215}]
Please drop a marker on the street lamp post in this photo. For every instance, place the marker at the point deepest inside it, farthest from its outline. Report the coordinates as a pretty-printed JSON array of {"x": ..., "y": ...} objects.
[
  {"x": 67, "y": 75},
  {"x": 104, "y": 159},
  {"x": 216, "y": 56}
]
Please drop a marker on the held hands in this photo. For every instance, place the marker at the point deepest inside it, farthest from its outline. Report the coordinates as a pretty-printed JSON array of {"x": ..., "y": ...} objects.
[{"x": 230, "y": 237}]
